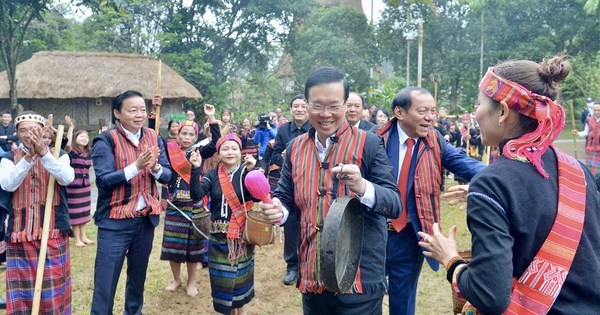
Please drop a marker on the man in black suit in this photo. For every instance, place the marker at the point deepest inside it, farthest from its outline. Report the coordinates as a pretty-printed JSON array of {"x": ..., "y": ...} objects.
[{"x": 354, "y": 112}]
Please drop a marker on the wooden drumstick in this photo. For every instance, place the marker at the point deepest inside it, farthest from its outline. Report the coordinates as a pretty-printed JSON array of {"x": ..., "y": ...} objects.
[{"x": 39, "y": 277}]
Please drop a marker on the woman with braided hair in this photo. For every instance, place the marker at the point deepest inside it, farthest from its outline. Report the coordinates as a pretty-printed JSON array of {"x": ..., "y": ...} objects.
[{"x": 533, "y": 214}]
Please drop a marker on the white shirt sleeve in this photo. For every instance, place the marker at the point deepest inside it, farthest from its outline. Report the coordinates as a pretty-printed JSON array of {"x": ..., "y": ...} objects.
[
  {"x": 12, "y": 175},
  {"x": 61, "y": 169},
  {"x": 131, "y": 171},
  {"x": 368, "y": 199}
]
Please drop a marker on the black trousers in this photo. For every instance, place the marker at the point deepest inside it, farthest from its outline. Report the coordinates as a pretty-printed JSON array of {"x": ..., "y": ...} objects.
[
  {"x": 131, "y": 238},
  {"x": 328, "y": 303}
]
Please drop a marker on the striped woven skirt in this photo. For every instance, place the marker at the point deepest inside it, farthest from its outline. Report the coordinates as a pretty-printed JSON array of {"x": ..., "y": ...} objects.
[
  {"x": 79, "y": 200},
  {"x": 21, "y": 265},
  {"x": 274, "y": 179},
  {"x": 178, "y": 243},
  {"x": 231, "y": 287},
  {"x": 592, "y": 160}
]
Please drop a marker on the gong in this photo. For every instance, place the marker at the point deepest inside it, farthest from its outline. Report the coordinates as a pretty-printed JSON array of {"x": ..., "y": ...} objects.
[{"x": 341, "y": 244}]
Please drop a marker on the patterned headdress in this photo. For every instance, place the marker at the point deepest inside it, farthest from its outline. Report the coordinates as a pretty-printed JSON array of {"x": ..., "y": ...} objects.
[
  {"x": 228, "y": 137},
  {"x": 189, "y": 123},
  {"x": 549, "y": 115},
  {"x": 30, "y": 116},
  {"x": 465, "y": 116}
]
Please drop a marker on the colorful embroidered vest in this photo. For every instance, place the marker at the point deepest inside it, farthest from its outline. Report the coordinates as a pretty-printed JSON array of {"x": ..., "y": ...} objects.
[
  {"x": 428, "y": 175},
  {"x": 314, "y": 193},
  {"x": 125, "y": 198},
  {"x": 29, "y": 202},
  {"x": 593, "y": 142}
]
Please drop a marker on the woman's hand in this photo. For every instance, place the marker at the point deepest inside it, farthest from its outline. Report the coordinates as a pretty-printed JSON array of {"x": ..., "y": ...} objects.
[
  {"x": 249, "y": 161},
  {"x": 195, "y": 158},
  {"x": 439, "y": 247},
  {"x": 209, "y": 111}
]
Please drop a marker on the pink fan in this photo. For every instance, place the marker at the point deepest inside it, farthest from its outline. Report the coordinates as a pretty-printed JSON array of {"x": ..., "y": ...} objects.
[{"x": 258, "y": 186}]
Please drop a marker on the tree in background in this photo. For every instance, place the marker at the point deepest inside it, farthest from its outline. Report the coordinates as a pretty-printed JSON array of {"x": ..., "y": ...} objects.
[{"x": 338, "y": 37}]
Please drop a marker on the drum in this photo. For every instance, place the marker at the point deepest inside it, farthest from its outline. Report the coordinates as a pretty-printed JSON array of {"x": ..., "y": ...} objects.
[
  {"x": 258, "y": 232},
  {"x": 202, "y": 222},
  {"x": 341, "y": 244}
]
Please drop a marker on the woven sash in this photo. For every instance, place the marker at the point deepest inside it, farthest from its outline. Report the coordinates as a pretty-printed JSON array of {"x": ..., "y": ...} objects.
[
  {"x": 179, "y": 162},
  {"x": 540, "y": 284},
  {"x": 237, "y": 222}
]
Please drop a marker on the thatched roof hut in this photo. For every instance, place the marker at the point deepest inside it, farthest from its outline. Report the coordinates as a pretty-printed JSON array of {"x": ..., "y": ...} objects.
[
  {"x": 59, "y": 82},
  {"x": 78, "y": 74}
]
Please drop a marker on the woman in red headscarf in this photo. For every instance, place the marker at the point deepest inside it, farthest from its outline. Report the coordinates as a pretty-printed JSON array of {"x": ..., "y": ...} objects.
[
  {"x": 533, "y": 214},
  {"x": 231, "y": 261},
  {"x": 179, "y": 245}
]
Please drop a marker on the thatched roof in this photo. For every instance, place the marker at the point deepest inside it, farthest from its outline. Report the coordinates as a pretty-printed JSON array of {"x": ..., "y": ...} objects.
[{"x": 77, "y": 74}]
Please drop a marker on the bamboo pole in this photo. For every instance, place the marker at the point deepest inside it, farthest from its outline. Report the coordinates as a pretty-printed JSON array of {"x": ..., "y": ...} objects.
[
  {"x": 573, "y": 128},
  {"x": 39, "y": 277},
  {"x": 157, "y": 114}
]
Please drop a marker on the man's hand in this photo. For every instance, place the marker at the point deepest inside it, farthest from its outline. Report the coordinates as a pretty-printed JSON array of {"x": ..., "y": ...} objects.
[
  {"x": 271, "y": 213},
  {"x": 154, "y": 166},
  {"x": 349, "y": 175},
  {"x": 38, "y": 146},
  {"x": 145, "y": 159},
  {"x": 157, "y": 100},
  {"x": 458, "y": 194}
]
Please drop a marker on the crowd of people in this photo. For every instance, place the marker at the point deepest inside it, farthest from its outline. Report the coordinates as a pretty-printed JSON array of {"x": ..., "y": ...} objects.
[{"x": 530, "y": 253}]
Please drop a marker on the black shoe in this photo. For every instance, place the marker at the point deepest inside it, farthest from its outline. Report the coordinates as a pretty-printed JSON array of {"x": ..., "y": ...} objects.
[
  {"x": 2, "y": 303},
  {"x": 290, "y": 277}
]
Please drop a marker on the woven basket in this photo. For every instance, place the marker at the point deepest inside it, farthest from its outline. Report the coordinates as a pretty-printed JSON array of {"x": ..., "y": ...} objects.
[
  {"x": 258, "y": 232},
  {"x": 458, "y": 303}
]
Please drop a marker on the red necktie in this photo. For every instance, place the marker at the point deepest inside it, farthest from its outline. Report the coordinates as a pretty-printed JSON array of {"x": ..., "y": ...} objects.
[{"x": 400, "y": 223}]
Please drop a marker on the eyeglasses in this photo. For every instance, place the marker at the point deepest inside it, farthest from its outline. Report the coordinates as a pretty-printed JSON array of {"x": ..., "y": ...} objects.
[{"x": 318, "y": 108}]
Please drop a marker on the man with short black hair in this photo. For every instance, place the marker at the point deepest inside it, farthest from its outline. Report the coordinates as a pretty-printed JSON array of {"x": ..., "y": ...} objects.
[
  {"x": 334, "y": 159},
  {"x": 128, "y": 160},
  {"x": 354, "y": 112},
  {"x": 7, "y": 132}
]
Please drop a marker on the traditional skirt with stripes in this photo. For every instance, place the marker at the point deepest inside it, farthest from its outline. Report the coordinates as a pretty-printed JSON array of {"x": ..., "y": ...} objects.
[
  {"x": 592, "y": 160},
  {"x": 232, "y": 287},
  {"x": 273, "y": 179},
  {"x": 80, "y": 200},
  {"x": 21, "y": 265},
  {"x": 178, "y": 243}
]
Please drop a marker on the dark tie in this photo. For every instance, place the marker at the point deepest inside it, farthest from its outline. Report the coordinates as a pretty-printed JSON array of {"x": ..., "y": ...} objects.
[{"x": 400, "y": 223}]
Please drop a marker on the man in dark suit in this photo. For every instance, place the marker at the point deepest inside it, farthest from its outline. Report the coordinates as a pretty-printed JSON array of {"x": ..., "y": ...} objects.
[
  {"x": 7, "y": 131},
  {"x": 411, "y": 128},
  {"x": 334, "y": 159},
  {"x": 354, "y": 112},
  {"x": 128, "y": 159}
]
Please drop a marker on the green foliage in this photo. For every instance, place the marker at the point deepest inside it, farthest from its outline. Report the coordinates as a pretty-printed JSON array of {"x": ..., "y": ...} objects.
[
  {"x": 335, "y": 37},
  {"x": 584, "y": 81},
  {"x": 384, "y": 96}
]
